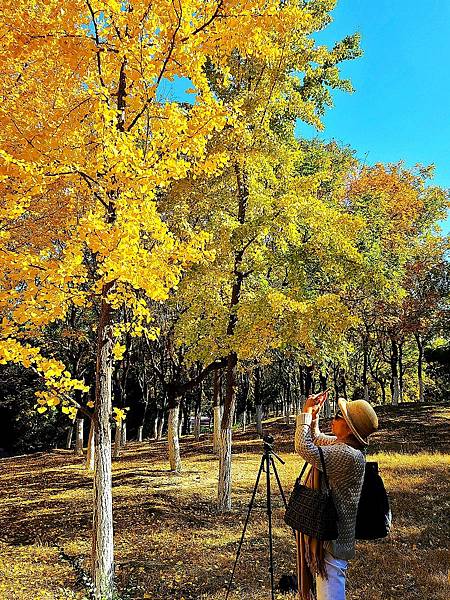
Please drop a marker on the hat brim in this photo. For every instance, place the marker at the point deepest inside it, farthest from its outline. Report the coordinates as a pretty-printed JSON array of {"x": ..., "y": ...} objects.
[{"x": 343, "y": 407}]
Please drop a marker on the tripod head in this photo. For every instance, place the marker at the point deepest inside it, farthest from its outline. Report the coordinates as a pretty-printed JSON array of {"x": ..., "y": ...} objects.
[{"x": 269, "y": 441}]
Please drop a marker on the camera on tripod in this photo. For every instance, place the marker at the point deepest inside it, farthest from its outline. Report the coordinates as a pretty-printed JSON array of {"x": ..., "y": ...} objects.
[{"x": 268, "y": 439}]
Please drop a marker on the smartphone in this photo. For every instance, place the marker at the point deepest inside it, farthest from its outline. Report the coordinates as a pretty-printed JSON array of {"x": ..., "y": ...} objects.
[{"x": 324, "y": 394}]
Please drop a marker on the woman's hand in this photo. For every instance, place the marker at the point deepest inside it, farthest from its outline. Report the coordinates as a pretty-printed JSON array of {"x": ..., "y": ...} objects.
[{"x": 314, "y": 403}]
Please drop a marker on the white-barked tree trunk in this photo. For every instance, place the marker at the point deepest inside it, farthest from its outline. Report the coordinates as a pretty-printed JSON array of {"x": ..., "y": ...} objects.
[
  {"x": 102, "y": 530},
  {"x": 79, "y": 441},
  {"x": 173, "y": 441}
]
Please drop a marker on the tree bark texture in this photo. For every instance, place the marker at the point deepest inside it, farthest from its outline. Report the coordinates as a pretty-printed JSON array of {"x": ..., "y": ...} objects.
[
  {"x": 160, "y": 426},
  {"x": 79, "y": 440},
  {"x": 173, "y": 441},
  {"x": 224, "y": 493},
  {"x": 420, "y": 367},
  {"x": 123, "y": 439},
  {"x": 117, "y": 439},
  {"x": 224, "y": 487},
  {"x": 365, "y": 367},
  {"x": 400, "y": 372},
  {"x": 309, "y": 383},
  {"x": 395, "y": 387},
  {"x": 155, "y": 427},
  {"x": 69, "y": 437},
  {"x": 102, "y": 542},
  {"x": 216, "y": 434},
  {"x": 90, "y": 449},
  {"x": 217, "y": 412},
  {"x": 197, "y": 427}
]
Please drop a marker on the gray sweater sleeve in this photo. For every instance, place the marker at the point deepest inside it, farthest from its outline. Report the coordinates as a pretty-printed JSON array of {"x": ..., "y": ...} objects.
[
  {"x": 338, "y": 458},
  {"x": 319, "y": 438}
]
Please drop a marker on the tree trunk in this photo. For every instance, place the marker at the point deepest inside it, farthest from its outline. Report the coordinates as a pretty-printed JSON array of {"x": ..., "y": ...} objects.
[
  {"x": 123, "y": 440},
  {"x": 224, "y": 487},
  {"x": 180, "y": 423},
  {"x": 117, "y": 439},
  {"x": 336, "y": 370},
  {"x": 327, "y": 412},
  {"x": 258, "y": 402},
  {"x": 173, "y": 441},
  {"x": 79, "y": 441},
  {"x": 90, "y": 449},
  {"x": 155, "y": 427},
  {"x": 160, "y": 426},
  {"x": 365, "y": 367},
  {"x": 400, "y": 372},
  {"x": 217, "y": 411},
  {"x": 69, "y": 437},
  {"x": 309, "y": 380},
  {"x": 259, "y": 417},
  {"x": 420, "y": 366},
  {"x": 383, "y": 392},
  {"x": 344, "y": 384},
  {"x": 102, "y": 542},
  {"x": 197, "y": 423},
  {"x": 287, "y": 401},
  {"x": 395, "y": 388},
  {"x": 224, "y": 492},
  {"x": 216, "y": 434},
  {"x": 186, "y": 421},
  {"x": 247, "y": 400},
  {"x": 145, "y": 390},
  {"x": 380, "y": 380},
  {"x": 323, "y": 378},
  {"x": 198, "y": 412}
]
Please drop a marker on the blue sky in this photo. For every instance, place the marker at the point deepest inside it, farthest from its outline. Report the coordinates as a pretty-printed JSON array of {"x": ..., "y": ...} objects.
[{"x": 400, "y": 107}]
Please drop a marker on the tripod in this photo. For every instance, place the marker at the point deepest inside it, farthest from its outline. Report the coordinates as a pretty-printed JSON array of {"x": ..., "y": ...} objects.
[{"x": 267, "y": 460}]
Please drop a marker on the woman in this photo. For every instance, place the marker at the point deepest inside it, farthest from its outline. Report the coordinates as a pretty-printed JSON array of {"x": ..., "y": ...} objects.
[{"x": 344, "y": 454}]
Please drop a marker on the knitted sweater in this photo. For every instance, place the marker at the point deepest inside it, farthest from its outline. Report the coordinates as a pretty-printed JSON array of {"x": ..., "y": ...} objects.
[{"x": 345, "y": 469}]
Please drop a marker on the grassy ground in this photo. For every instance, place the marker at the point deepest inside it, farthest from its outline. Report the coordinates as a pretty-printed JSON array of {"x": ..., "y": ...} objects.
[{"x": 170, "y": 543}]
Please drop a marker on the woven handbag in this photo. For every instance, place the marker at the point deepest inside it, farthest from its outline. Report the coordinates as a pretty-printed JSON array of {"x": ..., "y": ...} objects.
[{"x": 312, "y": 511}]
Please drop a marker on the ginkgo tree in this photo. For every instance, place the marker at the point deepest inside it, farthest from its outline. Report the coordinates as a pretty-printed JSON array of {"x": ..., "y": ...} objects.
[
  {"x": 262, "y": 210},
  {"x": 86, "y": 146},
  {"x": 296, "y": 251}
]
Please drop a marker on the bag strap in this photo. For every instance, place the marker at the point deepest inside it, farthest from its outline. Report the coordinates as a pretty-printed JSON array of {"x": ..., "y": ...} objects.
[
  {"x": 299, "y": 478},
  {"x": 324, "y": 470}
]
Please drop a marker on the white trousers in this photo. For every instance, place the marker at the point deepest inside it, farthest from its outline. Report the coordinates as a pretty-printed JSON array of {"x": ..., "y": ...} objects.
[{"x": 332, "y": 588}]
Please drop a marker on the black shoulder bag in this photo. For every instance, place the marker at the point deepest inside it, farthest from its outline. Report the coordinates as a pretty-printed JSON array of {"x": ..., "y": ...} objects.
[
  {"x": 312, "y": 511},
  {"x": 374, "y": 517}
]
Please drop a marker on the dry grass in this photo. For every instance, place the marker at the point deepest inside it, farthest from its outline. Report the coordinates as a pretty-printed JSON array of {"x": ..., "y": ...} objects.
[{"x": 171, "y": 544}]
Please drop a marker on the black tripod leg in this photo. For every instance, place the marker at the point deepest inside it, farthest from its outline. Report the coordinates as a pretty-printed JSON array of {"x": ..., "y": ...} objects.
[
  {"x": 269, "y": 515},
  {"x": 261, "y": 466},
  {"x": 280, "y": 488},
  {"x": 279, "y": 482}
]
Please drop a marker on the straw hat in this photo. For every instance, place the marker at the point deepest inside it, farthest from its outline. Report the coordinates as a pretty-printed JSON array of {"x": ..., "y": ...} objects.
[{"x": 360, "y": 417}]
